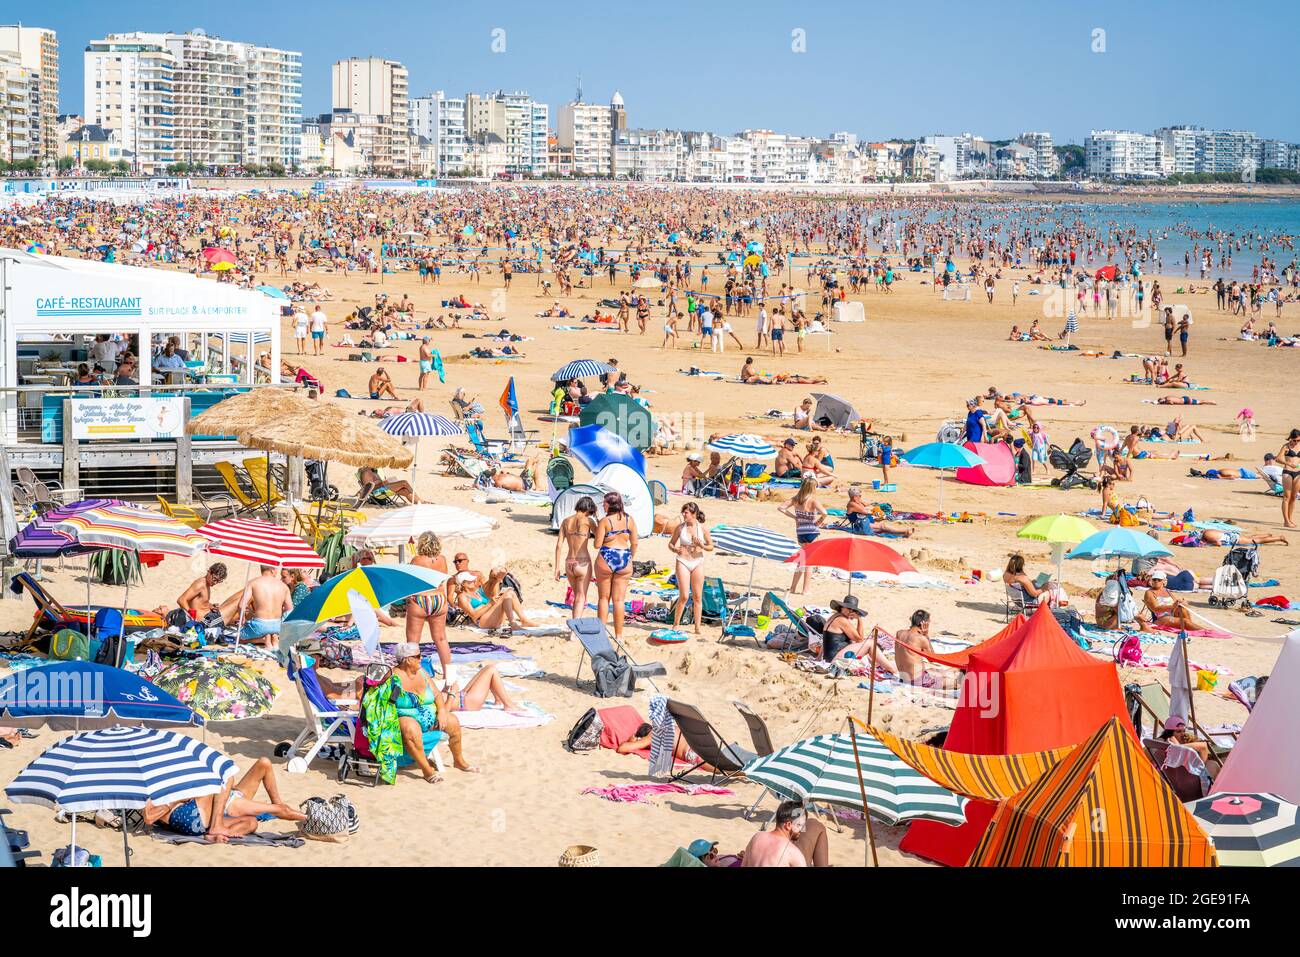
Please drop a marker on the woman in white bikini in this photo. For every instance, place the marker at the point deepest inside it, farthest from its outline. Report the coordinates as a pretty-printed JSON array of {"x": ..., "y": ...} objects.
[
  {"x": 575, "y": 533},
  {"x": 689, "y": 543},
  {"x": 1163, "y": 607}
]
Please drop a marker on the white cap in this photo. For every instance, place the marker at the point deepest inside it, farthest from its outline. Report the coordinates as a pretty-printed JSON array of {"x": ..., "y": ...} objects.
[{"x": 1157, "y": 574}]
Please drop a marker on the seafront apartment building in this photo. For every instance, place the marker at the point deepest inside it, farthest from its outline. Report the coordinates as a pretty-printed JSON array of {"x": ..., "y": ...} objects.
[
  {"x": 196, "y": 99},
  {"x": 29, "y": 70}
]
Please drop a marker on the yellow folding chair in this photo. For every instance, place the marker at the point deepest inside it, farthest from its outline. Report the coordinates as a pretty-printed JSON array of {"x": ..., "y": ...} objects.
[
  {"x": 182, "y": 513},
  {"x": 230, "y": 478}
]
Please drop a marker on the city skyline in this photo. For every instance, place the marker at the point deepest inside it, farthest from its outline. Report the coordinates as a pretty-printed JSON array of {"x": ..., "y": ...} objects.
[{"x": 866, "y": 82}]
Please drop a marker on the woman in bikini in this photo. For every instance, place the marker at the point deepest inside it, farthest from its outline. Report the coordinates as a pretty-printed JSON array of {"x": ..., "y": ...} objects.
[
  {"x": 575, "y": 533},
  {"x": 430, "y": 606},
  {"x": 1290, "y": 457},
  {"x": 689, "y": 543},
  {"x": 489, "y": 611},
  {"x": 616, "y": 538},
  {"x": 1163, "y": 607},
  {"x": 808, "y": 515}
]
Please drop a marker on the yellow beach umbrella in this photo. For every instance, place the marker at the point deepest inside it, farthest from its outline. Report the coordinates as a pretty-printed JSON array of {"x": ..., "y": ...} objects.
[{"x": 1058, "y": 531}]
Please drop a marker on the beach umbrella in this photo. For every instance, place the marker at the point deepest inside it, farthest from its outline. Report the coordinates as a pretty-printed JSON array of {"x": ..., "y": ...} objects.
[
  {"x": 1071, "y": 325},
  {"x": 822, "y": 769},
  {"x": 581, "y": 369},
  {"x": 1058, "y": 531},
  {"x": 621, "y": 414},
  {"x": 1106, "y": 272},
  {"x": 942, "y": 456},
  {"x": 274, "y": 292},
  {"x": 1250, "y": 830},
  {"x": 40, "y": 539},
  {"x": 120, "y": 769},
  {"x": 401, "y": 525},
  {"x": 378, "y": 584},
  {"x": 755, "y": 542},
  {"x": 245, "y": 411},
  {"x": 855, "y": 555},
  {"x": 596, "y": 446},
  {"x": 260, "y": 543},
  {"x": 132, "y": 528},
  {"x": 218, "y": 690},
  {"x": 840, "y": 413},
  {"x": 217, "y": 254},
  {"x": 221, "y": 266},
  {"x": 419, "y": 424},
  {"x": 743, "y": 445},
  {"x": 1118, "y": 542},
  {"x": 81, "y": 695},
  {"x": 332, "y": 433}
]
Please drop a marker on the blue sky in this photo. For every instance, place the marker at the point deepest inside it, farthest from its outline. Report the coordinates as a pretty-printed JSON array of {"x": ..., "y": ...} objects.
[{"x": 880, "y": 70}]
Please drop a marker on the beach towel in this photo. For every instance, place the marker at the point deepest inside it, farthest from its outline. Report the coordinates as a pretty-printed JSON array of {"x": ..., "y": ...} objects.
[
  {"x": 1198, "y": 633},
  {"x": 286, "y": 839},
  {"x": 621, "y": 724},
  {"x": 381, "y": 727},
  {"x": 493, "y": 716},
  {"x": 663, "y": 737},
  {"x": 642, "y": 793}
]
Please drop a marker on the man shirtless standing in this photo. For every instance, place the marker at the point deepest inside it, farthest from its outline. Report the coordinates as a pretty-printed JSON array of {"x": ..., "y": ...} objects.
[{"x": 265, "y": 601}]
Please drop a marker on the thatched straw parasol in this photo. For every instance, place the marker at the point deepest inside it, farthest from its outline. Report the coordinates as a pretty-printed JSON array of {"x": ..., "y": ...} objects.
[
  {"x": 250, "y": 410},
  {"x": 329, "y": 432}
]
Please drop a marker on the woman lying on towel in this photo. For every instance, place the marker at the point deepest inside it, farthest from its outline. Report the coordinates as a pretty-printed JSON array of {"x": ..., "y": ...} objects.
[
  {"x": 681, "y": 750},
  {"x": 232, "y": 812},
  {"x": 861, "y": 518}
]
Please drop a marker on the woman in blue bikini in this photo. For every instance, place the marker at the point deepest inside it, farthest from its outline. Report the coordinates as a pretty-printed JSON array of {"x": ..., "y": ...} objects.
[
  {"x": 232, "y": 812},
  {"x": 616, "y": 537}
]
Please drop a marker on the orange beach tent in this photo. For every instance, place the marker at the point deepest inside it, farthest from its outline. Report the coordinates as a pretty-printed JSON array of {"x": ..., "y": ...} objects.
[
  {"x": 1034, "y": 690},
  {"x": 1103, "y": 805}
]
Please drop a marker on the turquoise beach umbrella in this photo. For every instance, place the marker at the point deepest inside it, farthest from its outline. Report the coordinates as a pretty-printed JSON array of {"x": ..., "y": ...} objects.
[
  {"x": 942, "y": 455},
  {"x": 1118, "y": 542}
]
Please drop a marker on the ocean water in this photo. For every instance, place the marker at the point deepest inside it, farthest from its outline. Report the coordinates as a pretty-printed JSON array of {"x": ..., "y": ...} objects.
[{"x": 1170, "y": 224}]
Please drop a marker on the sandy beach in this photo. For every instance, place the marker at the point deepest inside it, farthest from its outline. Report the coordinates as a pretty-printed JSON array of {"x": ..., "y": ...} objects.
[{"x": 908, "y": 368}]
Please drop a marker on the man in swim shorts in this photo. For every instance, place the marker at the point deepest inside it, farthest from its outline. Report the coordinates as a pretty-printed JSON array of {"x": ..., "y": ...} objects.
[
  {"x": 265, "y": 602},
  {"x": 426, "y": 362}
]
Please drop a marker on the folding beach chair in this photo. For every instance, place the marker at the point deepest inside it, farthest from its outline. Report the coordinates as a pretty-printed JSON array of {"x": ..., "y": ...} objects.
[
  {"x": 1152, "y": 701},
  {"x": 182, "y": 513},
  {"x": 327, "y": 722},
  {"x": 596, "y": 641},
  {"x": 464, "y": 462},
  {"x": 248, "y": 499},
  {"x": 214, "y": 505},
  {"x": 717, "y": 607},
  {"x": 489, "y": 448},
  {"x": 762, "y": 740},
  {"x": 263, "y": 481},
  {"x": 1016, "y": 601},
  {"x": 720, "y": 483},
  {"x": 727, "y": 760},
  {"x": 520, "y": 438},
  {"x": 1186, "y": 784},
  {"x": 804, "y": 630},
  {"x": 39, "y": 493},
  {"x": 52, "y": 615},
  {"x": 13, "y": 844}
]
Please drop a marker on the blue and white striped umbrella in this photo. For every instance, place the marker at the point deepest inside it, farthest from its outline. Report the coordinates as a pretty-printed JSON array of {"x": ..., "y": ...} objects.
[
  {"x": 120, "y": 768},
  {"x": 242, "y": 338},
  {"x": 753, "y": 541},
  {"x": 743, "y": 445},
  {"x": 419, "y": 423},
  {"x": 582, "y": 369},
  {"x": 1071, "y": 323}
]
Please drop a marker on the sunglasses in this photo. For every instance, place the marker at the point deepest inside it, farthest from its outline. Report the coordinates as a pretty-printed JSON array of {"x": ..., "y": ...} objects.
[{"x": 459, "y": 560}]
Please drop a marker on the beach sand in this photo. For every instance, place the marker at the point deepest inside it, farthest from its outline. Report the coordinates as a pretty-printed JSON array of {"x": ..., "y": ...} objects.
[{"x": 908, "y": 367}]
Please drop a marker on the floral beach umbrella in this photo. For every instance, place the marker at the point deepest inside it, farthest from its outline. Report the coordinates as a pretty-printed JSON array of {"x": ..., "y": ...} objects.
[{"x": 218, "y": 690}]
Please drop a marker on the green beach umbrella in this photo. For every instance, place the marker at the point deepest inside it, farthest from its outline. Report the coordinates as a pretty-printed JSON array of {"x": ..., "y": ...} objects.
[
  {"x": 623, "y": 416},
  {"x": 1058, "y": 531},
  {"x": 822, "y": 770}
]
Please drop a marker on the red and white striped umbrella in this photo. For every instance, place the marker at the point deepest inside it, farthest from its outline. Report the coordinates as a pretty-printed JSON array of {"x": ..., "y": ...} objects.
[{"x": 259, "y": 542}]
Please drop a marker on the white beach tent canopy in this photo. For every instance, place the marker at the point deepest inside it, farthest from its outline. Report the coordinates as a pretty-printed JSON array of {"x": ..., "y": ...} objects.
[
  {"x": 637, "y": 498},
  {"x": 1263, "y": 760},
  {"x": 46, "y": 296}
]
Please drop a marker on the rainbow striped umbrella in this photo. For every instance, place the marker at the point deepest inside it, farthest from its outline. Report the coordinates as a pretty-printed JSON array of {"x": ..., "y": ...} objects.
[{"x": 131, "y": 527}]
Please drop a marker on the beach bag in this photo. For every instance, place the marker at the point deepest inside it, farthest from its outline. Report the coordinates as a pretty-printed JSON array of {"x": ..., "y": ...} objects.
[
  {"x": 69, "y": 645},
  {"x": 331, "y": 820},
  {"x": 585, "y": 734},
  {"x": 110, "y": 651},
  {"x": 613, "y": 676}
]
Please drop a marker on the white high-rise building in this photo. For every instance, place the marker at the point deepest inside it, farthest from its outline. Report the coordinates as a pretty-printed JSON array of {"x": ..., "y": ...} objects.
[
  {"x": 1045, "y": 162},
  {"x": 1121, "y": 154},
  {"x": 649, "y": 155},
  {"x": 37, "y": 52},
  {"x": 18, "y": 140},
  {"x": 441, "y": 120},
  {"x": 376, "y": 92},
  {"x": 588, "y": 130},
  {"x": 196, "y": 99},
  {"x": 1191, "y": 149},
  {"x": 520, "y": 122},
  {"x": 952, "y": 156}
]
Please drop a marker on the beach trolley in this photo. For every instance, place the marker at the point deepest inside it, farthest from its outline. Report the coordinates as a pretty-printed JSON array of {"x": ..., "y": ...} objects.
[{"x": 126, "y": 440}]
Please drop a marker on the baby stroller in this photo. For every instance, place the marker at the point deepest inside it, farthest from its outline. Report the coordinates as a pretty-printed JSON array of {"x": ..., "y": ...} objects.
[
  {"x": 950, "y": 432},
  {"x": 321, "y": 490},
  {"x": 1072, "y": 463},
  {"x": 1232, "y": 578}
]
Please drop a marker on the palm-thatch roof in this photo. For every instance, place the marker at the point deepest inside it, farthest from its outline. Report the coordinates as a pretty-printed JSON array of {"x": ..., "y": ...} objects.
[
  {"x": 250, "y": 410},
  {"x": 328, "y": 431}
]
